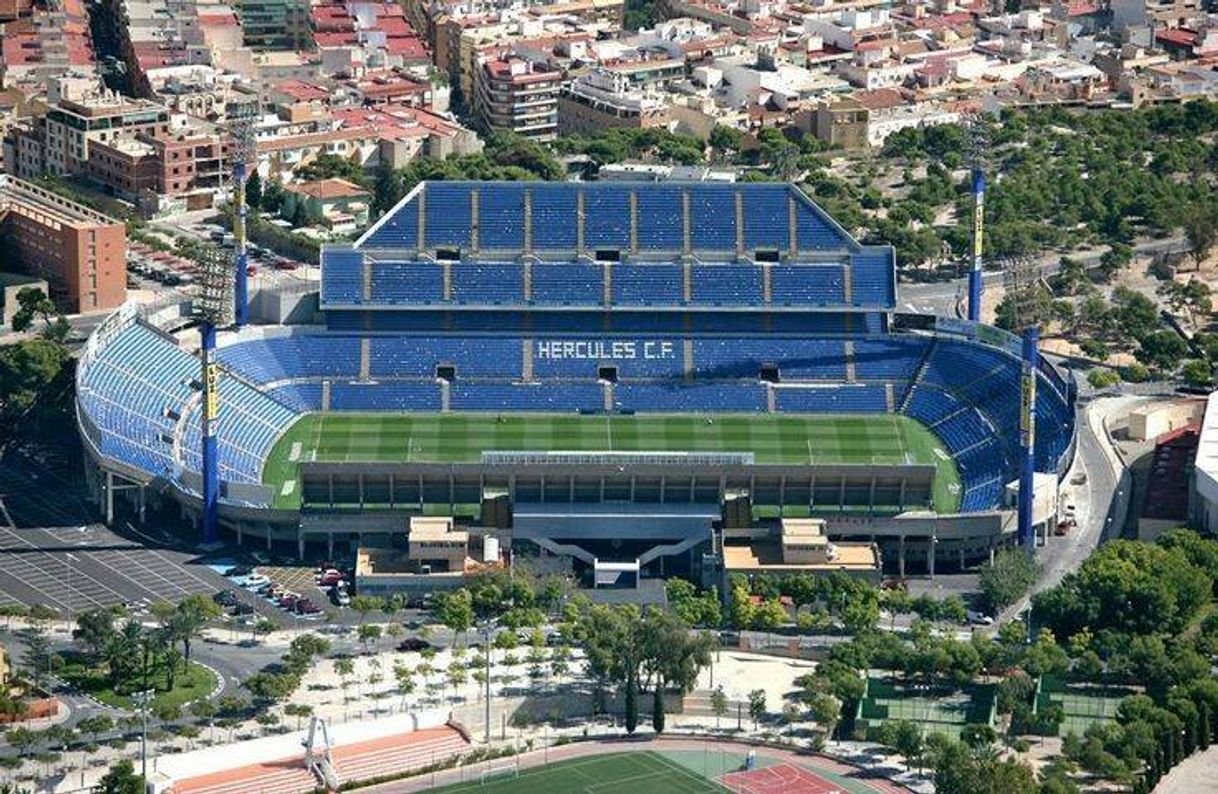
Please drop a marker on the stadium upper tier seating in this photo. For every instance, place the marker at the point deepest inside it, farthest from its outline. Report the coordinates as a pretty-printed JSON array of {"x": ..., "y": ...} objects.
[{"x": 615, "y": 245}]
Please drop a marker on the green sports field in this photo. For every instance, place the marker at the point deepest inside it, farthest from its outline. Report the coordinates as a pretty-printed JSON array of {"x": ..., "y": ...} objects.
[
  {"x": 617, "y": 773},
  {"x": 772, "y": 438}
]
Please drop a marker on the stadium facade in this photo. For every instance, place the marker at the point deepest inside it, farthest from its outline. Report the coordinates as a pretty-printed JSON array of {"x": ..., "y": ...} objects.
[{"x": 606, "y": 300}]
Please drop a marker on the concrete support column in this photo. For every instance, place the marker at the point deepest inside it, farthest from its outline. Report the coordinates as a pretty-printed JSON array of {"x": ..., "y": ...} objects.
[
  {"x": 109, "y": 498},
  {"x": 901, "y": 557},
  {"x": 930, "y": 555},
  {"x": 300, "y": 545}
]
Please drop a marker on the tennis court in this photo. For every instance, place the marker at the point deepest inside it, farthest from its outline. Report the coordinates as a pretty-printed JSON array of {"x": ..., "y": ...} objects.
[
  {"x": 1082, "y": 705},
  {"x": 813, "y": 439},
  {"x": 936, "y": 709}
]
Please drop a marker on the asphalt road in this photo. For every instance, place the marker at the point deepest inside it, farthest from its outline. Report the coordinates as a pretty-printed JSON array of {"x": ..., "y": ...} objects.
[{"x": 941, "y": 297}]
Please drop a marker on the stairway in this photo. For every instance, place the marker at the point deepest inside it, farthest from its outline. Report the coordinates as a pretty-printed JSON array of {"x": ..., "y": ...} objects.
[
  {"x": 421, "y": 749},
  {"x": 365, "y": 358},
  {"x": 848, "y": 349},
  {"x": 278, "y": 777},
  {"x": 919, "y": 373},
  {"x": 526, "y": 360},
  {"x": 890, "y": 400},
  {"x": 445, "y": 396},
  {"x": 607, "y": 397},
  {"x": 325, "y": 395}
]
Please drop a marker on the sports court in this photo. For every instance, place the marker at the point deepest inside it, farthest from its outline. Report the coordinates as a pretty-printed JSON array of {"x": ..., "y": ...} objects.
[
  {"x": 1082, "y": 706},
  {"x": 936, "y": 709},
  {"x": 779, "y": 779},
  {"x": 772, "y": 438}
]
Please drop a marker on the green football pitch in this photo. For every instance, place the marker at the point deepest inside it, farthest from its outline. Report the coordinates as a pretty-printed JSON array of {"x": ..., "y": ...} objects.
[
  {"x": 813, "y": 439},
  {"x": 618, "y": 773}
]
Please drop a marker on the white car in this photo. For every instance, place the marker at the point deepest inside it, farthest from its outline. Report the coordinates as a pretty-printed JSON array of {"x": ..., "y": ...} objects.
[
  {"x": 979, "y": 618},
  {"x": 254, "y": 581}
]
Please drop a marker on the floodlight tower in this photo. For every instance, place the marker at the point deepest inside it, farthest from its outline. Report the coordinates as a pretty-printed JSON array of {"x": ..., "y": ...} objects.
[
  {"x": 241, "y": 118},
  {"x": 978, "y": 145},
  {"x": 215, "y": 311},
  {"x": 1027, "y": 436}
]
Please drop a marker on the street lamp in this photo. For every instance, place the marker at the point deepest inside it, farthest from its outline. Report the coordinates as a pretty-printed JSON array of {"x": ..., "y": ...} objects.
[
  {"x": 143, "y": 698},
  {"x": 486, "y": 656}
]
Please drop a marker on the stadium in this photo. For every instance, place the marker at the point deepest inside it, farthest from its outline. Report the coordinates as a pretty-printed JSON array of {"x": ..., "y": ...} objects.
[{"x": 614, "y": 374}]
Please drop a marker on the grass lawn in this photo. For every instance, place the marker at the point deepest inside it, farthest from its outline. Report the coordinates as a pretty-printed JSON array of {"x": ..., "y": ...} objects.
[
  {"x": 197, "y": 682},
  {"x": 772, "y": 438},
  {"x": 617, "y": 773}
]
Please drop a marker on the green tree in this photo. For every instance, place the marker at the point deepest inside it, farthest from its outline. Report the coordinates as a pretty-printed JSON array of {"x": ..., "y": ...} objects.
[
  {"x": 364, "y": 604},
  {"x": 1201, "y": 231},
  {"x": 368, "y": 634},
  {"x": 1008, "y": 579},
  {"x": 456, "y": 611},
  {"x": 756, "y": 701},
  {"x": 632, "y": 705},
  {"x": 657, "y": 710},
  {"x": 253, "y": 189},
  {"x": 121, "y": 779},
  {"x": 718, "y": 701},
  {"x": 1162, "y": 350},
  {"x": 33, "y": 303},
  {"x": 34, "y": 374},
  {"x": 1197, "y": 372},
  {"x": 272, "y": 196}
]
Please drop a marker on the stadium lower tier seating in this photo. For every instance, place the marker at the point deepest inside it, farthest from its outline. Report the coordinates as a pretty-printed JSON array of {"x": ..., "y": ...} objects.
[{"x": 141, "y": 389}]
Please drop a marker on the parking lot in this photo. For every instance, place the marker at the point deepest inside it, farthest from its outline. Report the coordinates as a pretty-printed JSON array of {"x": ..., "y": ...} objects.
[{"x": 76, "y": 568}]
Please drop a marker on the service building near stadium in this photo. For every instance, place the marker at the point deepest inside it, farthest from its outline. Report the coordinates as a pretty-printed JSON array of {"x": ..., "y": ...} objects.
[{"x": 632, "y": 379}]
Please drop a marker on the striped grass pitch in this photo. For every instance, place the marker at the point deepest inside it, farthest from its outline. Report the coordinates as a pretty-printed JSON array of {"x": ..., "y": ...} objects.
[{"x": 796, "y": 439}]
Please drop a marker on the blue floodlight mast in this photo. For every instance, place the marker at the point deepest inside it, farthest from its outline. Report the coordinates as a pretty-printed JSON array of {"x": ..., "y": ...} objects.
[{"x": 1027, "y": 436}]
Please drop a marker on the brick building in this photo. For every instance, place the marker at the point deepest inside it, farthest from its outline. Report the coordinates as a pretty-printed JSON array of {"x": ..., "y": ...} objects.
[{"x": 81, "y": 254}]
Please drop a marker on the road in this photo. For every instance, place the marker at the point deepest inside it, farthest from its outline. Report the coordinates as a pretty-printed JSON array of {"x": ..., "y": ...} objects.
[
  {"x": 940, "y": 298},
  {"x": 1101, "y": 504}
]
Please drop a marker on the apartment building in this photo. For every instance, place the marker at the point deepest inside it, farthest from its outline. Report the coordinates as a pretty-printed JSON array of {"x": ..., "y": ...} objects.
[
  {"x": 71, "y": 126},
  {"x": 81, "y": 254},
  {"x": 183, "y": 169},
  {"x": 275, "y": 24},
  {"x": 518, "y": 94},
  {"x": 606, "y": 98}
]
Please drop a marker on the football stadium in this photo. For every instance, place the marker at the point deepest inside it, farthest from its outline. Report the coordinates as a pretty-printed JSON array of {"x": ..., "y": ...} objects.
[{"x": 630, "y": 378}]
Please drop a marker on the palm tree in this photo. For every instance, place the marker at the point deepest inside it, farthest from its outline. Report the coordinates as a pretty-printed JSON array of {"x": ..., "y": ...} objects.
[
  {"x": 299, "y": 711},
  {"x": 405, "y": 680}
]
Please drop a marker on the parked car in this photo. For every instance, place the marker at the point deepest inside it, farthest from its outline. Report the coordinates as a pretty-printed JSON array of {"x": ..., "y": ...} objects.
[
  {"x": 414, "y": 644},
  {"x": 306, "y": 607},
  {"x": 979, "y": 618},
  {"x": 288, "y": 601},
  {"x": 225, "y": 598},
  {"x": 339, "y": 597},
  {"x": 330, "y": 578},
  {"x": 241, "y": 608},
  {"x": 256, "y": 580},
  {"x": 239, "y": 570}
]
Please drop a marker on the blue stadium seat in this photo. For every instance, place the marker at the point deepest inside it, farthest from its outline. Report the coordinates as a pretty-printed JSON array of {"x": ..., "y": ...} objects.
[
  {"x": 690, "y": 397},
  {"x": 342, "y": 276},
  {"x": 500, "y": 217},
  {"x": 606, "y": 217},
  {"x": 712, "y": 211},
  {"x": 488, "y": 283},
  {"x": 727, "y": 284},
  {"x": 407, "y": 283},
  {"x": 658, "y": 284},
  {"x": 568, "y": 284},
  {"x": 661, "y": 225},
  {"x": 448, "y": 211},
  {"x": 842, "y": 399},
  {"x": 807, "y": 285},
  {"x": 767, "y": 218}
]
